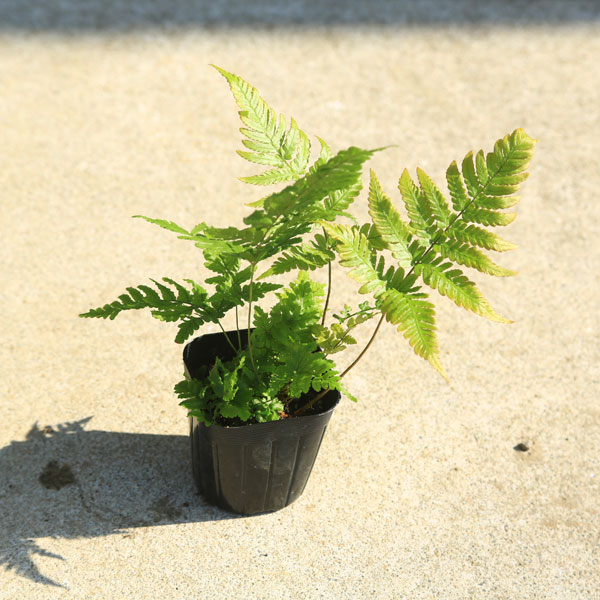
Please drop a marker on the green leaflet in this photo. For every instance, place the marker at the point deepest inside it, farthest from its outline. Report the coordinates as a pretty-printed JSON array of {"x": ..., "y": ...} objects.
[
  {"x": 435, "y": 199},
  {"x": 372, "y": 234},
  {"x": 476, "y": 236},
  {"x": 169, "y": 225},
  {"x": 415, "y": 317},
  {"x": 484, "y": 216},
  {"x": 458, "y": 287},
  {"x": 417, "y": 206},
  {"x": 456, "y": 187},
  {"x": 393, "y": 230},
  {"x": 464, "y": 254}
]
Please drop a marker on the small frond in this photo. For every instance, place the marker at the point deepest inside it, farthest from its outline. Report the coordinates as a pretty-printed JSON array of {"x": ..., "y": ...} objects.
[
  {"x": 166, "y": 304},
  {"x": 490, "y": 182},
  {"x": 338, "y": 201},
  {"x": 268, "y": 139}
]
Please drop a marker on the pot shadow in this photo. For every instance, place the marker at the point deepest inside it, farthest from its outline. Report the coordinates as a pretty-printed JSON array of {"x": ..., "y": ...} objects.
[{"x": 70, "y": 482}]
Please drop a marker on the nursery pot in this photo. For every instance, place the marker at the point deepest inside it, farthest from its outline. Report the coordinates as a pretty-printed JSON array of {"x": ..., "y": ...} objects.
[{"x": 252, "y": 468}]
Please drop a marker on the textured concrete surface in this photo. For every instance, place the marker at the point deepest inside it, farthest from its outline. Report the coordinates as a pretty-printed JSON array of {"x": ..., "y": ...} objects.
[{"x": 417, "y": 492}]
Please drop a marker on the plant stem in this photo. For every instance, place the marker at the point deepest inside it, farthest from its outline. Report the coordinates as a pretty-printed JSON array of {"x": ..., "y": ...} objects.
[
  {"x": 237, "y": 326},
  {"x": 366, "y": 347},
  {"x": 227, "y": 337},
  {"x": 253, "y": 267},
  {"x": 328, "y": 284},
  {"x": 314, "y": 400}
]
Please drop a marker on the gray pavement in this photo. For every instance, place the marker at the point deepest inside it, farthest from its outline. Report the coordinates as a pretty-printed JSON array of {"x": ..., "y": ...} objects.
[{"x": 417, "y": 492}]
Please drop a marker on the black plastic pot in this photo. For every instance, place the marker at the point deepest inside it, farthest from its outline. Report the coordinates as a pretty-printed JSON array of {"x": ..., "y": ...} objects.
[{"x": 253, "y": 468}]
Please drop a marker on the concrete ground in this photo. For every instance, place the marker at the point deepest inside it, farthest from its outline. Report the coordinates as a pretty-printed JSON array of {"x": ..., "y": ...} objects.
[{"x": 109, "y": 110}]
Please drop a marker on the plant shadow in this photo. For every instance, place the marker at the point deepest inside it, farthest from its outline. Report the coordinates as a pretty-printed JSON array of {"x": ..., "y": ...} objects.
[{"x": 69, "y": 482}]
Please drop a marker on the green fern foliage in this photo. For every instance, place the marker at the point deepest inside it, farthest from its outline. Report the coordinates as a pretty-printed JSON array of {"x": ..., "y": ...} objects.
[
  {"x": 358, "y": 255},
  {"x": 175, "y": 303},
  {"x": 303, "y": 257},
  {"x": 191, "y": 307},
  {"x": 268, "y": 139},
  {"x": 437, "y": 240},
  {"x": 337, "y": 337},
  {"x": 428, "y": 240}
]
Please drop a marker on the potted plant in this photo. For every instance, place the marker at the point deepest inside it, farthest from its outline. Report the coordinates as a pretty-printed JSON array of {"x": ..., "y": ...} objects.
[{"x": 259, "y": 397}]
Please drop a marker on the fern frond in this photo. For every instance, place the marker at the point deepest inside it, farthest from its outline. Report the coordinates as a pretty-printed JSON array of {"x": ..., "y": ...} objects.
[
  {"x": 389, "y": 224},
  {"x": 187, "y": 328},
  {"x": 336, "y": 337},
  {"x": 338, "y": 201},
  {"x": 268, "y": 139},
  {"x": 471, "y": 257},
  {"x": 456, "y": 286},
  {"x": 415, "y": 317},
  {"x": 166, "y": 304},
  {"x": 358, "y": 255}
]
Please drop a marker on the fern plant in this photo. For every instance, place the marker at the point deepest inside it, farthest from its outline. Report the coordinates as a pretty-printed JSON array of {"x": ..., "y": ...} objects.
[{"x": 286, "y": 367}]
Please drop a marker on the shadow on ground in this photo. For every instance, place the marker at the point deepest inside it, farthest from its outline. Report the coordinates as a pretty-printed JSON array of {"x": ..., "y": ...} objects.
[
  {"x": 71, "y": 483},
  {"x": 125, "y": 15}
]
